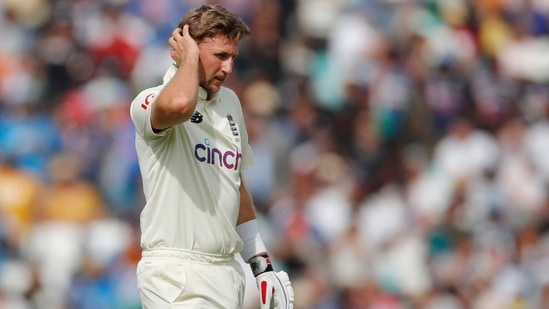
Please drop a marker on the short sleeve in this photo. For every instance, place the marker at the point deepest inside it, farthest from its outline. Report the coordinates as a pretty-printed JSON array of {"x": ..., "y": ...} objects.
[{"x": 140, "y": 111}]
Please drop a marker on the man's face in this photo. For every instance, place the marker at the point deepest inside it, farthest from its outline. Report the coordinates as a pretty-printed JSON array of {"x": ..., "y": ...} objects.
[{"x": 216, "y": 61}]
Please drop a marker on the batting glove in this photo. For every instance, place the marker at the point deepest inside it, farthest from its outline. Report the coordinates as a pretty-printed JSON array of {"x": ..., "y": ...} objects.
[{"x": 275, "y": 288}]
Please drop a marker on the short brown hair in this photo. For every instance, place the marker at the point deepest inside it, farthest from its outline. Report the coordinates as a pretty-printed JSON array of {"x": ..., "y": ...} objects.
[{"x": 210, "y": 20}]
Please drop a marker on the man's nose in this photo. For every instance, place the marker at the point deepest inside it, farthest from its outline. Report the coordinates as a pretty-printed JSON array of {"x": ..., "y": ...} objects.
[{"x": 227, "y": 66}]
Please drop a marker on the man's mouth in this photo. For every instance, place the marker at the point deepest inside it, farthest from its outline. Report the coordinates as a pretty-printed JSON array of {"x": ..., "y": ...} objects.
[{"x": 218, "y": 80}]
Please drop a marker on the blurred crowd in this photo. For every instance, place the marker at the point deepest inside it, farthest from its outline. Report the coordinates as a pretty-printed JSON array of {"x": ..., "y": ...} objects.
[{"x": 401, "y": 148}]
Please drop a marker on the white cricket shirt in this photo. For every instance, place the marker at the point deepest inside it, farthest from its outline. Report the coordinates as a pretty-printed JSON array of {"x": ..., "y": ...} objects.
[{"x": 191, "y": 173}]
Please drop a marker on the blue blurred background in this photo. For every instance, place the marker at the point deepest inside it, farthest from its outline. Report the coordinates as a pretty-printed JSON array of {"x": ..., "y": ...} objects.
[{"x": 401, "y": 147}]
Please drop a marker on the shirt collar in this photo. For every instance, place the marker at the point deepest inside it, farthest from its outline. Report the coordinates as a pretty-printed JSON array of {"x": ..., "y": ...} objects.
[
  {"x": 169, "y": 73},
  {"x": 202, "y": 94}
]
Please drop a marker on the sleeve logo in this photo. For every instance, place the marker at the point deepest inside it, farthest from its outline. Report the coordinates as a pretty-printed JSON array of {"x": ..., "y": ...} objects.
[{"x": 148, "y": 99}]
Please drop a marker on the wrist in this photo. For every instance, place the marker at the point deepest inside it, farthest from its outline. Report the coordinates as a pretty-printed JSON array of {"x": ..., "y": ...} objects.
[
  {"x": 252, "y": 242},
  {"x": 260, "y": 264}
]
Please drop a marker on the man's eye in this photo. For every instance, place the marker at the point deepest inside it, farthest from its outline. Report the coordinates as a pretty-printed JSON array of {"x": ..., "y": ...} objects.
[{"x": 225, "y": 57}]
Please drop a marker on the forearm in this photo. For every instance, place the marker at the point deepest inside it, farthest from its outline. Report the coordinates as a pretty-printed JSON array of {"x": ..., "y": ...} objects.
[
  {"x": 247, "y": 209},
  {"x": 247, "y": 228},
  {"x": 177, "y": 100}
]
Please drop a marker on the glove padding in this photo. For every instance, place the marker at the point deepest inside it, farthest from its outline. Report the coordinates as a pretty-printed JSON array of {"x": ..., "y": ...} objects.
[{"x": 275, "y": 290}]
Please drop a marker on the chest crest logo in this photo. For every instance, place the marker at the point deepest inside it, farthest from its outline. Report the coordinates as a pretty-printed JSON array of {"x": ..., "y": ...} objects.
[
  {"x": 234, "y": 128},
  {"x": 232, "y": 124}
]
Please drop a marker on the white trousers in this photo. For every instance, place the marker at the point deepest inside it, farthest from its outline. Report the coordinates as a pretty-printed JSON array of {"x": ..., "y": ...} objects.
[{"x": 179, "y": 279}]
